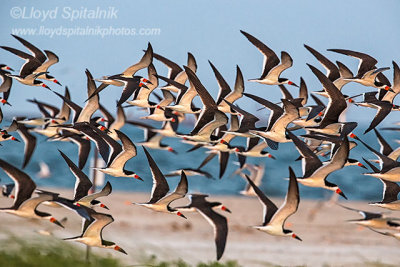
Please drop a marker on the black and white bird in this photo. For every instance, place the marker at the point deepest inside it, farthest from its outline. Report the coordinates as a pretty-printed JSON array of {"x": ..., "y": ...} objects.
[
  {"x": 91, "y": 200},
  {"x": 274, "y": 218},
  {"x": 5, "y": 86},
  {"x": 92, "y": 234},
  {"x": 278, "y": 121},
  {"x": 199, "y": 203},
  {"x": 127, "y": 75},
  {"x": 175, "y": 73},
  {"x": 271, "y": 68},
  {"x": 368, "y": 74},
  {"x": 116, "y": 166},
  {"x": 36, "y": 64},
  {"x": 374, "y": 220},
  {"x": 390, "y": 192},
  {"x": 160, "y": 199},
  {"x": 210, "y": 117},
  {"x": 314, "y": 171},
  {"x": 24, "y": 204}
]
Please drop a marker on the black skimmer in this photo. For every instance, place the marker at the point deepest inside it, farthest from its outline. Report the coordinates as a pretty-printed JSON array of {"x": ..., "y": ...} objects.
[
  {"x": 46, "y": 60},
  {"x": 274, "y": 218},
  {"x": 276, "y": 110},
  {"x": 223, "y": 158},
  {"x": 337, "y": 104},
  {"x": 383, "y": 107},
  {"x": 310, "y": 111},
  {"x": 390, "y": 192},
  {"x": 65, "y": 111},
  {"x": 225, "y": 90},
  {"x": 247, "y": 121},
  {"x": 51, "y": 60},
  {"x": 169, "y": 128},
  {"x": 231, "y": 96},
  {"x": 209, "y": 106},
  {"x": 256, "y": 149},
  {"x": 390, "y": 168},
  {"x": 131, "y": 85},
  {"x": 368, "y": 74},
  {"x": 338, "y": 74},
  {"x": 47, "y": 110},
  {"x": 222, "y": 148},
  {"x": 374, "y": 220},
  {"x": 331, "y": 143},
  {"x": 30, "y": 143},
  {"x": 225, "y": 137},
  {"x": 114, "y": 124},
  {"x": 116, "y": 166},
  {"x": 30, "y": 80},
  {"x": 108, "y": 118},
  {"x": 98, "y": 137},
  {"x": 92, "y": 234},
  {"x": 189, "y": 172},
  {"x": 82, "y": 183},
  {"x": 285, "y": 92},
  {"x": 279, "y": 119},
  {"x": 11, "y": 128},
  {"x": 332, "y": 71},
  {"x": 199, "y": 203},
  {"x": 127, "y": 75},
  {"x": 4, "y": 136},
  {"x": 152, "y": 138},
  {"x": 24, "y": 205},
  {"x": 205, "y": 134},
  {"x": 175, "y": 72},
  {"x": 5, "y": 86},
  {"x": 92, "y": 105},
  {"x": 271, "y": 69},
  {"x": 390, "y": 95},
  {"x": 81, "y": 189},
  {"x": 314, "y": 171},
  {"x": 52, "y": 116},
  {"x": 184, "y": 100},
  {"x": 395, "y": 234},
  {"x": 82, "y": 143},
  {"x": 107, "y": 146},
  {"x": 39, "y": 121},
  {"x": 345, "y": 74},
  {"x": 91, "y": 200},
  {"x": 210, "y": 117},
  {"x": 159, "y": 112},
  {"x": 160, "y": 199},
  {"x": 354, "y": 162},
  {"x": 256, "y": 175},
  {"x": 4, "y": 67},
  {"x": 36, "y": 65},
  {"x": 141, "y": 96},
  {"x": 385, "y": 148}
]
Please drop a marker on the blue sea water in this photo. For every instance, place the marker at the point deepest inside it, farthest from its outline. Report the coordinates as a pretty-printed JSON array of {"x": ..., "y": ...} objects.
[{"x": 350, "y": 179}]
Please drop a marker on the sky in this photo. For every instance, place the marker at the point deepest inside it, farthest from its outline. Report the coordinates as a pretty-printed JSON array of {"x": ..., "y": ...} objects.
[{"x": 210, "y": 30}]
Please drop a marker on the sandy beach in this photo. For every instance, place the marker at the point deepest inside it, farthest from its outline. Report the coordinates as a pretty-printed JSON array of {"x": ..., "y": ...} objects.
[{"x": 327, "y": 239}]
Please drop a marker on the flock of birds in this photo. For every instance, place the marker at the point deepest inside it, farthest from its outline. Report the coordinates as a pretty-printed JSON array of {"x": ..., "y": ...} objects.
[{"x": 326, "y": 135}]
